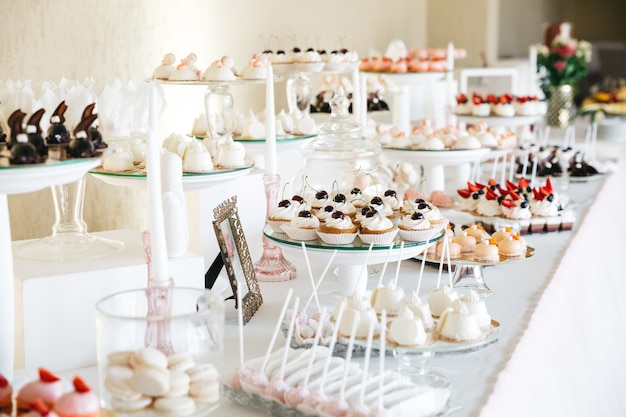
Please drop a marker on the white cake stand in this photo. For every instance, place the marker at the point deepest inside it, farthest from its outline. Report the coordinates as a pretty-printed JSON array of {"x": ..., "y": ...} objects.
[
  {"x": 434, "y": 162},
  {"x": 191, "y": 182},
  {"x": 350, "y": 258},
  {"x": 18, "y": 180}
]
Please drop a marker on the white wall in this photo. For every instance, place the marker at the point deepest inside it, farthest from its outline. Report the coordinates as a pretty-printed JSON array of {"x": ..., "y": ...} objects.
[{"x": 50, "y": 39}]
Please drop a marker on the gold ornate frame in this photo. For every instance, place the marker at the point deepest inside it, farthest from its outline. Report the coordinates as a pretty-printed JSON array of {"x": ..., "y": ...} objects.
[{"x": 236, "y": 257}]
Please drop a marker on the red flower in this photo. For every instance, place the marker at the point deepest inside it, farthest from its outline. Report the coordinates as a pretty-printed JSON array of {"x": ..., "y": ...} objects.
[
  {"x": 559, "y": 65},
  {"x": 566, "y": 50}
]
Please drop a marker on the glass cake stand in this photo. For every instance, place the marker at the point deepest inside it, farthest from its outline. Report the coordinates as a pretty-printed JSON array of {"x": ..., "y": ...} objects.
[
  {"x": 350, "y": 258},
  {"x": 18, "y": 180},
  {"x": 469, "y": 274}
]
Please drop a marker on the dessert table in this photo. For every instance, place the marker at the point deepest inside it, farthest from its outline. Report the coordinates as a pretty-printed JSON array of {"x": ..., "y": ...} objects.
[{"x": 560, "y": 343}]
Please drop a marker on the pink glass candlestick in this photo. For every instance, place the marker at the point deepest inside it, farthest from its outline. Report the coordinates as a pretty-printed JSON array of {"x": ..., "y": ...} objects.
[{"x": 272, "y": 267}]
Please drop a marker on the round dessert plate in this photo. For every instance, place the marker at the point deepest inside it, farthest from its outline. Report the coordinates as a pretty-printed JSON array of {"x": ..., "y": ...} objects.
[
  {"x": 413, "y": 77},
  {"x": 279, "y": 139},
  {"x": 191, "y": 181},
  {"x": 237, "y": 81},
  {"x": 353, "y": 254},
  {"x": 497, "y": 121},
  {"x": 442, "y": 157},
  {"x": 436, "y": 346},
  {"x": 469, "y": 259},
  {"x": 16, "y": 179}
]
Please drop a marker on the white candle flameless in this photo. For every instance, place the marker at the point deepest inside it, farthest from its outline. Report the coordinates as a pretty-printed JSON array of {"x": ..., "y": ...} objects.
[
  {"x": 270, "y": 124},
  {"x": 160, "y": 274}
]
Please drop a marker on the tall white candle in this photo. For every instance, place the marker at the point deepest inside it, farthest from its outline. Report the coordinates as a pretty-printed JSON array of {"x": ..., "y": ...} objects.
[
  {"x": 160, "y": 274},
  {"x": 363, "y": 103},
  {"x": 270, "y": 124}
]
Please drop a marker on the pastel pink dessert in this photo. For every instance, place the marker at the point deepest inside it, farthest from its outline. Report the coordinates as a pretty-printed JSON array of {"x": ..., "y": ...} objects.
[
  {"x": 48, "y": 387},
  {"x": 39, "y": 409},
  {"x": 6, "y": 394},
  {"x": 80, "y": 403}
]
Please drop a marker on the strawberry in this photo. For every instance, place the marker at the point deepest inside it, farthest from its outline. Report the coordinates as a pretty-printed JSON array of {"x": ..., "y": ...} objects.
[
  {"x": 477, "y": 99},
  {"x": 549, "y": 185},
  {"x": 472, "y": 187},
  {"x": 479, "y": 185},
  {"x": 3, "y": 382},
  {"x": 39, "y": 406},
  {"x": 491, "y": 98},
  {"x": 492, "y": 181},
  {"x": 506, "y": 98},
  {"x": 503, "y": 191},
  {"x": 464, "y": 192},
  {"x": 523, "y": 183},
  {"x": 507, "y": 203},
  {"x": 80, "y": 385},
  {"x": 515, "y": 196},
  {"x": 510, "y": 185},
  {"x": 461, "y": 99},
  {"x": 491, "y": 195},
  {"x": 538, "y": 195},
  {"x": 47, "y": 376},
  {"x": 544, "y": 191}
]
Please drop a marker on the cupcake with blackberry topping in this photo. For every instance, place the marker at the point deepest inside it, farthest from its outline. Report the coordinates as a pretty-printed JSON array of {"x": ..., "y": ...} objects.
[
  {"x": 415, "y": 228},
  {"x": 377, "y": 229},
  {"x": 338, "y": 229}
]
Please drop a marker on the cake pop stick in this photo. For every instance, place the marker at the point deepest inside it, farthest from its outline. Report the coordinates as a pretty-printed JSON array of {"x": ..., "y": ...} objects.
[
  {"x": 276, "y": 330},
  {"x": 382, "y": 272},
  {"x": 340, "y": 406},
  {"x": 381, "y": 359},
  {"x": 399, "y": 261},
  {"x": 533, "y": 174},
  {"x": 512, "y": 167},
  {"x": 525, "y": 164},
  {"x": 242, "y": 371},
  {"x": 363, "y": 270},
  {"x": 319, "y": 282},
  {"x": 447, "y": 243},
  {"x": 423, "y": 263},
  {"x": 366, "y": 364},
  {"x": 594, "y": 142},
  {"x": 503, "y": 171},
  {"x": 443, "y": 252},
  {"x": 494, "y": 168},
  {"x": 278, "y": 386},
  {"x": 308, "y": 266}
]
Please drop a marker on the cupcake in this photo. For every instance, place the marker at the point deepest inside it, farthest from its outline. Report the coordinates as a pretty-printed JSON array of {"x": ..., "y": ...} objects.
[
  {"x": 302, "y": 227},
  {"x": 377, "y": 229},
  {"x": 325, "y": 212},
  {"x": 342, "y": 204},
  {"x": 80, "y": 403},
  {"x": 282, "y": 214},
  {"x": 338, "y": 229},
  {"x": 48, "y": 388},
  {"x": 415, "y": 228},
  {"x": 320, "y": 200},
  {"x": 381, "y": 207}
]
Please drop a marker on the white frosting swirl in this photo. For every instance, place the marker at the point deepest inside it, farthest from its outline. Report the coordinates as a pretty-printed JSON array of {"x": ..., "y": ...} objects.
[
  {"x": 408, "y": 223},
  {"x": 311, "y": 222},
  {"x": 376, "y": 223},
  {"x": 487, "y": 207},
  {"x": 544, "y": 207},
  {"x": 340, "y": 223}
]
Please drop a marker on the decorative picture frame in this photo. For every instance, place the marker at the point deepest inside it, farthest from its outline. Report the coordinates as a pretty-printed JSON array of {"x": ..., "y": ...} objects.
[{"x": 236, "y": 257}]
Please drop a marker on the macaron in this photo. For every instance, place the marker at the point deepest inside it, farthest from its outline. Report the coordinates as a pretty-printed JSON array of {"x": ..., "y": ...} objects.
[
  {"x": 205, "y": 391},
  {"x": 149, "y": 381},
  {"x": 179, "y": 384},
  {"x": 179, "y": 406},
  {"x": 121, "y": 357},
  {"x": 204, "y": 372},
  {"x": 127, "y": 406},
  {"x": 180, "y": 362},
  {"x": 149, "y": 357}
]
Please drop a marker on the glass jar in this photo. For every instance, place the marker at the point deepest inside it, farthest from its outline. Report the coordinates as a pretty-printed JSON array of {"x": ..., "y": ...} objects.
[
  {"x": 219, "y": 104},
  {"x": 160, "y": 347},
  {"x": 340, "y": 158}
]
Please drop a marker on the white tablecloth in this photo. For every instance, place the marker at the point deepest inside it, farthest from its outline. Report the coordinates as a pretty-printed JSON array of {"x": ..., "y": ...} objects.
[{"x": 560, "y": 349}]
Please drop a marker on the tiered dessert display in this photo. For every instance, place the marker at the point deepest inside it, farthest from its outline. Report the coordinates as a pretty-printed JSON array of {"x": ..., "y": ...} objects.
[
  {"x": 16, "y": 180},
  {"x": 504, "y": 110}
]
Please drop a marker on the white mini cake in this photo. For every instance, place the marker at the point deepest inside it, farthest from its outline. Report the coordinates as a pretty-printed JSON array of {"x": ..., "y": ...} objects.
[
  {"x": 197, "y": 158},
  {"x": 231, "y": 154},
  {"x": 256, "y": 69},
  {"x": 421, "y": 310},
  {"x": 220, "y": 70},
  {"x": 477, "y": 307},
  {"x": 119, "y": 160},
  {"x": 163, "y": 71},
  {"x": 356, "y": 309},
  {"x": 186, "y": 70},
  {"x": 406, "y": 329},
  {"x": 440, "y": 299},
  {"x": 457, "y": 324},
  {"x": 467, "y": 142},
  {"x": 387, "y": 298}
]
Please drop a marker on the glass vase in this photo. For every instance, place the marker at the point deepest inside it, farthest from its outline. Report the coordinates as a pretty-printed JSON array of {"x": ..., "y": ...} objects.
[
  {"x": 560, "y": 106},
  {"x": 191, "y": 321}
]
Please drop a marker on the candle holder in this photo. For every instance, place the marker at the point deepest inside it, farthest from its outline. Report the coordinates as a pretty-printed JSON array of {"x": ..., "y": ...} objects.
[
  {"x": 272, "y": 267},
  {"x": 69, "y": 240}
]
